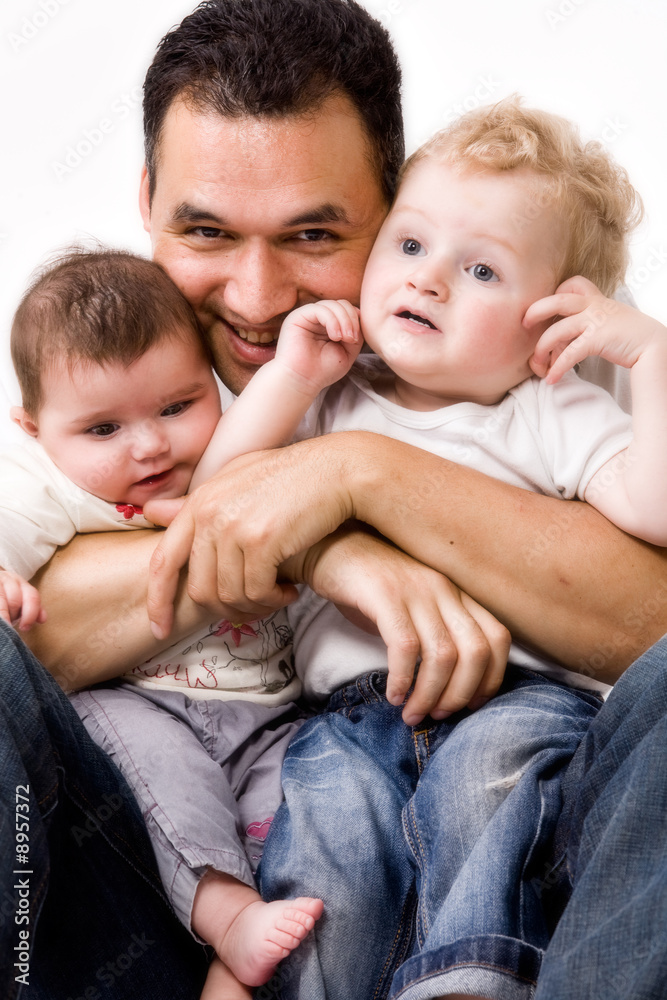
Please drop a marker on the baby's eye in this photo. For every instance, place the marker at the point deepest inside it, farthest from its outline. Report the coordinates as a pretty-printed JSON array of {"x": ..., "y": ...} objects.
[
  {"x": 174, "y": 408},
  {"x": 483, "y": 272},
  {"x": 103, "y": 430},
  {"x": 412, "y": 248}
]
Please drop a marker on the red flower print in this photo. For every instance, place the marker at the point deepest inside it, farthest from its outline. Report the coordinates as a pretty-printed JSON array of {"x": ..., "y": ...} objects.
[
  {"x": 236, "y": 630},
  {"x": 128, "y": 510}
]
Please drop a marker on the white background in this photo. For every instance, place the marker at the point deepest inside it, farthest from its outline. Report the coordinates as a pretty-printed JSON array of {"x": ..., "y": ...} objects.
[{"x": 71, "y": 73}]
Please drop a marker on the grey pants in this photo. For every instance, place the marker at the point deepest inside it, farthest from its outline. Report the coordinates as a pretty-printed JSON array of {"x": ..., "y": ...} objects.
[{"x": 206, "y": 774}]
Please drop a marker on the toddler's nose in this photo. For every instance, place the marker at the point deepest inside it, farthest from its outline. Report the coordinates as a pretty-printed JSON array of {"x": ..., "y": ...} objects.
[{"x": 430, "y": 280}]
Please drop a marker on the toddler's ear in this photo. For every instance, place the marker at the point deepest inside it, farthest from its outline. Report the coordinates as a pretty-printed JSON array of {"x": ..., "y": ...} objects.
[{"x": 24, "y": 420}]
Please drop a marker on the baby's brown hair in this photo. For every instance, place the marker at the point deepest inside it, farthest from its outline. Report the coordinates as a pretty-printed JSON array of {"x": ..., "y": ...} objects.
[{"x": 98, "y": 306}]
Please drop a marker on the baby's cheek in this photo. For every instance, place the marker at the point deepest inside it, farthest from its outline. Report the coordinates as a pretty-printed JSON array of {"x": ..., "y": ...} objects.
[{"x": 492, "y": 320}]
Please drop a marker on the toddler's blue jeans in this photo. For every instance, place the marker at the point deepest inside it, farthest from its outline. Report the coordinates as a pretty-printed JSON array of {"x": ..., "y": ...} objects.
[{"x": 429, "y": 845}]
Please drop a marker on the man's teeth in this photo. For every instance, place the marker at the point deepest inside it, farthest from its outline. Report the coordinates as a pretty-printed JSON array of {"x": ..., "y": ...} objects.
[{"x": 257, "y": 337}]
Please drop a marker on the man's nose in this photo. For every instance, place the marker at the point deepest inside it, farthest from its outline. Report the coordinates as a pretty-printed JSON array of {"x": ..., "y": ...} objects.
[
  {"x": 259, "y": 285},
  {"x": 148, "y": 441}
]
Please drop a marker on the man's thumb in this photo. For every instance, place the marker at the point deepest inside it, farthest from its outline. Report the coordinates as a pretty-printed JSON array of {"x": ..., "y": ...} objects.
[{"x": 163, "y": 512}]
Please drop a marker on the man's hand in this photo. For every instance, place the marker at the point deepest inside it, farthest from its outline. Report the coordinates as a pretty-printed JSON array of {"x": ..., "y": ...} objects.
[
  {"x": 591, "y": 325},
  {"x": 418, "y": 613},
  {"x": 20, "y": 603},
  {"x": 236, "y": 529}
]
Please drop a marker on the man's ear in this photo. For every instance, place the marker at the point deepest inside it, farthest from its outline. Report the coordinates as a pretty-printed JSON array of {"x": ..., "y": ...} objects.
[
  {"x": 24, "y": 420},
  {"x": 144, "y": 199}
]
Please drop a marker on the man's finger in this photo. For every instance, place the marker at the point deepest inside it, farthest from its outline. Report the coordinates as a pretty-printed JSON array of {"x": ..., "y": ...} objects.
[
  {"x": 171, "y": 554},
  {"x": 163, "y": 512}
]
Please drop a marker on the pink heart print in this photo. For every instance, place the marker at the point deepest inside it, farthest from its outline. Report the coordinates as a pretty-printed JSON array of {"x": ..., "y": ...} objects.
[{"x": 259, "y": 830}]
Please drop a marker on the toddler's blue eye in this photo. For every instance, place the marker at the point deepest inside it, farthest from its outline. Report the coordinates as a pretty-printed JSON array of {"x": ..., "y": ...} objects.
[
  {"x": 483, "y": 272},
  {"x": 412, "y": 248}
]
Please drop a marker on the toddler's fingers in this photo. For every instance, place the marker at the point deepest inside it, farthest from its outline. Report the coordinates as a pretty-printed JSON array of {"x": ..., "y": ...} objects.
[
  {"x": 554, "y": 341},
  {"x": 570, "y": 356},
  {"x": 31, "y": 609},
  {"x": 10, "y": 599},
  {"x": 578, "y": 285},
  {"x": 563, "y": 304},
  {"x": 353, "y": 325},
  {"x": 347, "y": 319}
]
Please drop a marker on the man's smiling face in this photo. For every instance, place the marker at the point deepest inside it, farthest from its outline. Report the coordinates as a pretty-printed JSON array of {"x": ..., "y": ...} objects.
[{"x": 252, "y": 217}]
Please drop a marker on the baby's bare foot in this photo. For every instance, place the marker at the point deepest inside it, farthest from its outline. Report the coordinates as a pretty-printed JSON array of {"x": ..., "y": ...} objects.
[{"x": 262, "y": 934}]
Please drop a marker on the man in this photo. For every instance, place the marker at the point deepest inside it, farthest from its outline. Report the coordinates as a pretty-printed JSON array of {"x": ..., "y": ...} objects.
[{"x": 253, "y": 210}]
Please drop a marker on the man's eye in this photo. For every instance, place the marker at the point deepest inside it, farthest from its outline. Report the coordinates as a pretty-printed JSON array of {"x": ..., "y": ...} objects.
[
  {"x": 412, "y": 248},
  {"x": 313, "y": 235},
  {"x": 174, "y": 408},
  {"x": 103, "y": 430},
  {"x": 483, "y": 272},
  {"x": 208, "y": 232}
]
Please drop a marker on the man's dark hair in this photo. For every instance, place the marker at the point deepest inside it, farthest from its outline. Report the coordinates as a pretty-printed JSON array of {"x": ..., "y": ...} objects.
[
  {"x": 276, "y": 58},
  {"x": 97, "y": 306}
]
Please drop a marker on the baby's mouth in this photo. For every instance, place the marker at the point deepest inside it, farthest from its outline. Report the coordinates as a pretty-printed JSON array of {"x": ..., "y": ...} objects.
[
  {"x": 157, "y": 477},
  {"x": 417, "y": 319}
]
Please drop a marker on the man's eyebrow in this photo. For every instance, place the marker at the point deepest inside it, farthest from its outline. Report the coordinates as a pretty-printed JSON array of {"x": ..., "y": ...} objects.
[
  {"x": 191, "y": 213},
  {"x": 316, "y": 216},
  {"x": 319, "y": 215}
]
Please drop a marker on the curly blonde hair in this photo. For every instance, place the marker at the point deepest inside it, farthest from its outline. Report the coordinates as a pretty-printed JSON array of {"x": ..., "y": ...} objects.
[{"x": 591, "y": 193}]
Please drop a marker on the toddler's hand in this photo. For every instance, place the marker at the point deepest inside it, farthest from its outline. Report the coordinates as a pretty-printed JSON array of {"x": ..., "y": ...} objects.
[
  {"x": 20, "y": 603},
  {"x": 590, "y": 324},
  {"x": 320, "y": 341}
]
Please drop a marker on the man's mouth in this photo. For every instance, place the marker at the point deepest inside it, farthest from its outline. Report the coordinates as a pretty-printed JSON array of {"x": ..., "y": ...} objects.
[
  {"x": 256, "y": 336},
  {"x": 406, "y": 314}
]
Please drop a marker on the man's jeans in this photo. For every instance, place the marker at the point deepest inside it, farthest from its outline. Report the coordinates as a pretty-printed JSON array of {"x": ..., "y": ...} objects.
[
  {"x": 85, "y": 897},
  {"x": 611, "y": 943},
  {"x": 428, "y": 845}
]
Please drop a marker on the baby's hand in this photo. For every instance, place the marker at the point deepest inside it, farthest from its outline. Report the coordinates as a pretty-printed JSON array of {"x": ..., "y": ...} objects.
[
  {"x": 320, "y": 341},
  {"x": 20, "y": 603},
  {"x": 591, "y": 324}
]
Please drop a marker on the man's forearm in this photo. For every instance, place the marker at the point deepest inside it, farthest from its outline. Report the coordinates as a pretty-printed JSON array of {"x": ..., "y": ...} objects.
[
  {"x": 94, "y": 592},
  {"x": 560, "y": 576}
]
